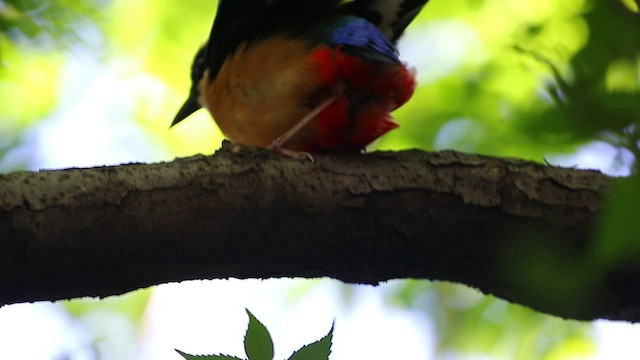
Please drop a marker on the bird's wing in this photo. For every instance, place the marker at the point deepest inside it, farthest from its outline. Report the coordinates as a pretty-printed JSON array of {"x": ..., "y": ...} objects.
[
  {"x": 391, "y": 16},
  {"x": 242, "y": 21}
]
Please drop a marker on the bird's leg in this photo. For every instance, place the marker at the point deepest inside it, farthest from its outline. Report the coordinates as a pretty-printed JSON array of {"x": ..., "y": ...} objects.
[{"x": 277, "y": 144}]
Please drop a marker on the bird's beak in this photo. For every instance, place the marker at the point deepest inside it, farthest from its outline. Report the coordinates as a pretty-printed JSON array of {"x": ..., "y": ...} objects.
[{"x": 189, "y": 107}]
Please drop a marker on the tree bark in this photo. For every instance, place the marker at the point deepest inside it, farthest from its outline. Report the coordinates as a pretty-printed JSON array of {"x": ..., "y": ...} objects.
[{"x": 511, "y": 228}]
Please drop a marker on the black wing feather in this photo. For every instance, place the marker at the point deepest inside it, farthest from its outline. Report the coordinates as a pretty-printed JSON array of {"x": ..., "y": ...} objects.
[{"x": 244, "y": 21}]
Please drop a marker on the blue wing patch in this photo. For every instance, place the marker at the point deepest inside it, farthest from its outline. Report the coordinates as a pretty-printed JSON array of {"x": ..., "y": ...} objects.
[{"x": 359, "y": 34}]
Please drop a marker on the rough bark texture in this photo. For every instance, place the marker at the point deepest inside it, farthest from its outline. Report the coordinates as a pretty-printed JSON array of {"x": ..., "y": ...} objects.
[{"x": 511, "y": 228}]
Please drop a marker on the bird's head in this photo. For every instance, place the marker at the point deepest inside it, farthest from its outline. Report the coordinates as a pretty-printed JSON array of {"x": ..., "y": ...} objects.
[{"x": 198, "y": 68}]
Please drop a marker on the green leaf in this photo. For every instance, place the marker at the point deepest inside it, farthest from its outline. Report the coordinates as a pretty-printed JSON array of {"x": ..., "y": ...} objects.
[
  {"x": 206, "y": 357},
  {"x": 257, "y": 342},
  {"x": 618, "y": 238},
  {"x": 318, "y": 350}
]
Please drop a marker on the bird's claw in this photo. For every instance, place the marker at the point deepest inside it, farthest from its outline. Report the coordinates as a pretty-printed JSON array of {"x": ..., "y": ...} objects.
[{"x": 290, "y": 154}]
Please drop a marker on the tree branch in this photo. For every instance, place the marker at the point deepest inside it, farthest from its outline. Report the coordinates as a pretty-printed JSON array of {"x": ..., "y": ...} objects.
[{"x": 511, "y": 228}]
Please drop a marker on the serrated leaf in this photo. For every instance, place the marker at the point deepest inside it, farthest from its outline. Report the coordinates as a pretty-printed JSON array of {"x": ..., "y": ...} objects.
[
  {"x": 318, "y": 350},
  {"x": 206, "y": 357},
  {"x": 257, "y": 342}
]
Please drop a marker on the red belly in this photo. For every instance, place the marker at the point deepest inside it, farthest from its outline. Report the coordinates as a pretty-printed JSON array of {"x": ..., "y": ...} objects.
[{"x": 367, "y": 91}]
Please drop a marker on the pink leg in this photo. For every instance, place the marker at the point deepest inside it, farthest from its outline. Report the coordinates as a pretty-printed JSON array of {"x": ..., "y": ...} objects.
[{"x": 278, "y": 144}]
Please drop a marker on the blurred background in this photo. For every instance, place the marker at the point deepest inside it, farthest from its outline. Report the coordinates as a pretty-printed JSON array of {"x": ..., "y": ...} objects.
[{"x": 95, "y": 82}]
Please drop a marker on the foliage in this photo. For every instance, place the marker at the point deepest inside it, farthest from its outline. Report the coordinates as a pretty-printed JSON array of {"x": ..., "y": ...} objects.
[
  {"x": 258, "y": 346},
  {"x": 602, "y": 99},
  {"x": 32, "y": 35},
  {"x": 110, "y": 323},
  {"x": 532, "y": 79},
  {"x": 48, "y": 24},
  {"x": 469, "y": 322}
]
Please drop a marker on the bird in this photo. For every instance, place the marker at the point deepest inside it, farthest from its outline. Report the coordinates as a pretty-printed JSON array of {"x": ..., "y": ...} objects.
[{"x": 301, "y": 77}]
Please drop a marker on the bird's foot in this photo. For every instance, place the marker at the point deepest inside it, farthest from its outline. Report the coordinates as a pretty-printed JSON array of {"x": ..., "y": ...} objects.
[
  {"x": 232, "y": 147},
  {"x": 277, "y": 148}
]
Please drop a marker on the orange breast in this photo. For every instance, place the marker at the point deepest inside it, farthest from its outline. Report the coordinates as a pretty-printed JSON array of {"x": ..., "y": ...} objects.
[{"x": 263, "y": 90}]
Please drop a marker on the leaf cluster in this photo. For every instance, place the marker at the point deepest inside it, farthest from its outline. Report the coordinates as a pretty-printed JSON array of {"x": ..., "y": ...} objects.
[
  {"x": 47, "y": 23},
  {"x": 259, "y": 346}
]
